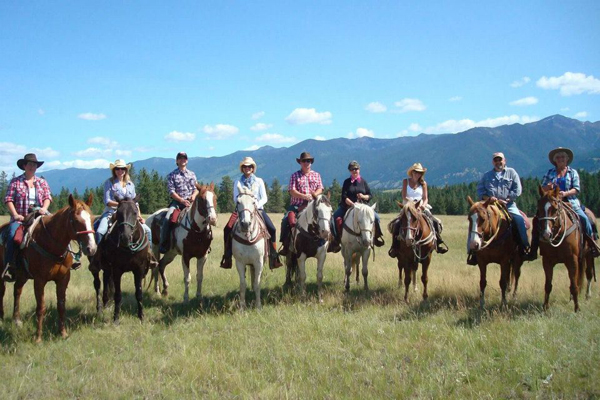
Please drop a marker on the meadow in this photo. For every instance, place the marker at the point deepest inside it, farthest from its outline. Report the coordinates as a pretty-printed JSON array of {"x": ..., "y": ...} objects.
[{"x": 355, "y": 345}]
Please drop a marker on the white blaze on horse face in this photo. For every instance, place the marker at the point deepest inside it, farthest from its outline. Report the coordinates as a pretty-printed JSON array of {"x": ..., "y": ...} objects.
[
  {"x": 474, "y": 241},
  {"x": 409, "y": 235},
  {"x": 91, "y": 239},
  {"x": 547, "y": 233},
  {"x": 212, "y": 213},
  {"x": 324, "y": 214},
  {"x": 365, "y": 224}
]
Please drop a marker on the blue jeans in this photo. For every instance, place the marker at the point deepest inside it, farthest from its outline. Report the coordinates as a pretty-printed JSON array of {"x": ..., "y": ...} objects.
[
  {"x": 585, "y": 222},
  {"x": 10, "y": 244},
  {"x": 102, "y": 225},
  {"x": 519, "y": 222}
]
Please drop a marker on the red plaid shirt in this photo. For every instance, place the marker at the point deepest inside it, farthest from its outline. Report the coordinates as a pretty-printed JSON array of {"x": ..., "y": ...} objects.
[
  {"x": 18, "y": 193},
  {"x": 304, "y": 184}
]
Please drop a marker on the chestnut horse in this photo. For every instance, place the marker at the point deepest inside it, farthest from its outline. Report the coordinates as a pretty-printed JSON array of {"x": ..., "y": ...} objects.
[
  {"x": 415, "y": 244},
  {"x": 492, "y": 241},
  {"x": 48, "y": 258},
  {"x": 561, "y": 241}
]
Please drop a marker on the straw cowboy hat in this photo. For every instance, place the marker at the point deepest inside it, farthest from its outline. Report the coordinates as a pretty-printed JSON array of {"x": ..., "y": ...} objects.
[
  {"x": 417, "y": 167},
  {"x": 119, "y": 164},
  {"x": 560, "y": 150},
  {"x": 247, "y": 161},
  {"x": 305, "y": 156},
  {"x": 27, "y": 158}
]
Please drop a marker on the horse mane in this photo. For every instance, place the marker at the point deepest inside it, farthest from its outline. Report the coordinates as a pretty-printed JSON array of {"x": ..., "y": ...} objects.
[{"x": 322, "y": 199}]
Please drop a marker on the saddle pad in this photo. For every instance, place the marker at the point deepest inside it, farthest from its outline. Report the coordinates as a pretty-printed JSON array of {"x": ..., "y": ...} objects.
[{"x": 19, "y": 235}]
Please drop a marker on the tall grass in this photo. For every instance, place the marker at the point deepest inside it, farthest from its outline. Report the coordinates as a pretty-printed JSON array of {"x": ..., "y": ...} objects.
[{"x": 353, "y": 345}]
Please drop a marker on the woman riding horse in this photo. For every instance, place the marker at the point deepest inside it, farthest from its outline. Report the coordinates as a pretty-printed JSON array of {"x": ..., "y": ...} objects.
[
  {"x": 257, "y": 186},
  {"x": 355, "y": 189}
]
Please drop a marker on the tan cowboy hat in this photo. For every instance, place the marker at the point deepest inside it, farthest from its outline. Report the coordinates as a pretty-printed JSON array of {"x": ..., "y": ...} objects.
[
  {"x": 27, "y": 158},
  {"x": 561, "y": 150},
  {"x": 119, "y": 164},
  {"x": 305, "y": 156},
  {"x": 417, "y": 167},
  {"x": 247, "y": 161}
]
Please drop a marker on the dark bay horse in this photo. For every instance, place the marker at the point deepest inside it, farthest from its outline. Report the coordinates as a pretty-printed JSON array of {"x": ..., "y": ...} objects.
[
  {"x": 491, "y": 239},
  {"x": 415, "y": 244},
  {"x": 125, "y": 248},
  {"x": 561, "y": 241},
  {"x": 48, "y": 258}
]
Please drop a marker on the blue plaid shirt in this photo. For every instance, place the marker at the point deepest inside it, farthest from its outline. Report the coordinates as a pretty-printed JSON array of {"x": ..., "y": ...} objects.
[
  {"x": 571, "y": 182},
  {"x": 182, "y": 182}
]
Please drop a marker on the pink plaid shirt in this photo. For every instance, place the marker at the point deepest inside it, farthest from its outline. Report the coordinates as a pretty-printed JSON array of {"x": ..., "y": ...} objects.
[
  {"x": 304, "y": 184},
  {"x": 18, "y": 193}
]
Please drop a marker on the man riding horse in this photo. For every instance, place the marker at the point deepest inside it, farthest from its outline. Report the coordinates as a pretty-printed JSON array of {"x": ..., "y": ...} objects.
[
  {"x": 304, "y": 185},
  {"x": 503, "y": 185}
]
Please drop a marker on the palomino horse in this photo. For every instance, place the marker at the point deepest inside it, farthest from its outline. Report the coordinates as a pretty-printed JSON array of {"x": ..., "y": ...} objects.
[
  {"x": 125, "y": 248},
  {"x": 491, "y": 239},
  {"x": 47, "y": 257},
  {"x": 357, "y": 240},
  {"x": 561, "y": 241},
  {"x": 250, "y": 238},
  {"x": 310, "y": 238},
  {"x": 416, "y": 242},
  {"x": 191, "y": 238}
]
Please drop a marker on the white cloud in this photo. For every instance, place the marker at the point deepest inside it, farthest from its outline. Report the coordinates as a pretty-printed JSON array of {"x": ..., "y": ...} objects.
[
  {"x": 319, "y": 138},
  {"x": 220, "y": 131},
  {"x": 93, "y": 152},
  {"x": 414, "y": 127},
  {"x": 261, "y": 127},
  {"x": 521, "y": 82},
  {"x": 302, "y": 116},
  {"x": 91, "y": 116},
  {"x": 406, "y": 105},
  {"x": 582, "y": 114},
  {"x": 258, "y": 115},
  {"x": 176, "y": 136},
  {"x": 571, "y": 83},
  {"x": 104, "y": 141},
  {"x": 41, "y": 111},
  {"x": 98, "y": 163},
  {"x": 123, "y": 153},
  {"x": 525, "y": 101},
  {"x": 455, "y": 98},
  {"x": 252, "y": 148},
  {"x": 376, "y": 107},
  {"x": 275, "y": 138},
  {"x": 47, "y": 152},
  {"x": 361, "y": 132},
  {"x": 11, "y": 152},
  {"x": 454, "y": 126}
]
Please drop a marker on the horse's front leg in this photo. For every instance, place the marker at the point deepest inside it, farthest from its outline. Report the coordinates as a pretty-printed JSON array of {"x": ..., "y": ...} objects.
[
  {"x": 589, "y": 273},
  {"x": 2, "y": 291},
  {"x": 301, "y": 274},
  {"x": 118, "y": 295},
  {"x": 199, "y": 276},
  {"x": 365, "y": 266},
  {"x": 504, "y": 279},
  {"x": 482, "y": 284},
  {"x": 18, "y": 289},
  {"x": 137, "y": 278},
  {"x": 400, "y": 269},
  {"x": 548, "y": 272},
  {"x": 347, "y": 268},
  {"x": 97, "y": 286},
  {"x": 241, "y": 268},
  {"x": 107, "y": 283},
  {"x": 573, "y": 268},
  {"x": 515, "y": 276},
  {"x": 166, "y": 260},
  {"x": 187, "y": 278},
  {"x": 61, "y": 302},
  {"x": 40, "y": 310},
  {"x": 408, "y": 274},
  {"x": 256, "y": 274},
  {"x": 424, "y": 276},
  {"x": 320, "y": 264}
]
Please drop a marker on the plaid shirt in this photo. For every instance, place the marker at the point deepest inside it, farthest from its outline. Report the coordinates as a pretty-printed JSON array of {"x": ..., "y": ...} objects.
[
  {"x": 18, "y": 193},
  {"x": 571, "y": 182},
  {"x": 181, "y": 182},
  {"x": 304, "y": 184}
]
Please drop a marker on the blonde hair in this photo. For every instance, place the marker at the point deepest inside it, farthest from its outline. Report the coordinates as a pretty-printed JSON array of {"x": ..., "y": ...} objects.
[{"x": 126, "y": 178}]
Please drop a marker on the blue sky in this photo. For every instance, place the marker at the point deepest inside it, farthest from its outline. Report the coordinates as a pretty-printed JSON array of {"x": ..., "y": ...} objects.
[{"x": 84, "y": 83}]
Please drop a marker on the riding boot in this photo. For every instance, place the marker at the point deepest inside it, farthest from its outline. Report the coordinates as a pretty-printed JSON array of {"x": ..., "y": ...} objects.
[
  {"x": 274, "y": 261},
  {"x": 165, "y": 232},
  {"x": 335, "y": 243},
  {"x": 472, "y": 258},
  {"x": 226, "y": 262},
  {"x": 9, "y": 274},
  {"x": 592, "y": 245},
  {"x": 440, "y": 242},
  {"x": 393, "y": 251},
  {"x": 378, "y": 239}
]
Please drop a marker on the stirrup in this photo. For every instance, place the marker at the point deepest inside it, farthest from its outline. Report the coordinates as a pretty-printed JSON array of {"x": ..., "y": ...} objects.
[
  {"x": 393, "y": 252},
  {"x": 9, "y": 273},
  {"x": 440, "y": 249},
  {"x": 76, "y": 265},
  {"x": 378, "y": 241},
  {"x": 472, "y": 258}
]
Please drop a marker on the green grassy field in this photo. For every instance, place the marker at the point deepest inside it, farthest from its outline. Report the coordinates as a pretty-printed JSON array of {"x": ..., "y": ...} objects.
[{"x": 360, "y": 345}]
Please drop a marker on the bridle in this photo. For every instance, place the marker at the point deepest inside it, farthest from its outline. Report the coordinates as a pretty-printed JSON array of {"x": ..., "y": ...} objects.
[
  {"x": 132, "y": 246},
  {"x": 417, "y": 245},
  {"x": 561, "y": 213},
  {"x": 487, "y": 227}
]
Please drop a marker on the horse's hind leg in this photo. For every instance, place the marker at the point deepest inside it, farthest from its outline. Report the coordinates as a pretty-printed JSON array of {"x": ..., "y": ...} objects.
[
  {"x": 18, "y": 289},
  {"x": 137, "y": 277},
  {"x": 482, "y": 285},
  {"x": 241, "y": 268},
  {"x": 515, "y": 276},
  {"x": 61, "y": 303},
  {"x": 97, "y": 286},
  {"x": 187, "y": 277},
  {"x": 414, "y": 279},
  {"x": 365, "y": 267},
  {"x": 199, "y": 276},
  {"x": 118, "y": 295},
  {"x": 107, "y": 282},
  {"x": 2, "y": 291},
  {"x": 40, "y": 310},
  {"x": 408, "y": 274},
  {"x": 573, "y": 266},
  {"x": 424, "y": 276},
  {"x": 347, "y": 271},
  {"x": 256, "y": 273},
  {"x": 400, "y": 268},
  {"x": 504, "y": 278},
  {"x": 549, "y": 272},
  {"x": 589, "y": 273}
]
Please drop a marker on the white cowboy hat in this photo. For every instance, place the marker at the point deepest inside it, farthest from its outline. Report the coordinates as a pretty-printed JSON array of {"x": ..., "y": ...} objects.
[
  {"x": 119, "y": 164},
  {"x": 568, "y": 152},
  {"x": 247, "y": 161},
  {"x": 417, "y": 167}
]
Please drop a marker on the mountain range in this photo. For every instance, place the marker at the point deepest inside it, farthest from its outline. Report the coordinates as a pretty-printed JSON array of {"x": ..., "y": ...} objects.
[{"x": 449, "y": 158}]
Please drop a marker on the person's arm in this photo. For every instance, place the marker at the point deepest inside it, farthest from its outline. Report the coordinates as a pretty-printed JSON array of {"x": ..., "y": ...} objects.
[
  {"x": 109, "y": 199},
  {"x": 404, "y": 185},
  {"x": 547, "y": 183},
  {"x": 366, "y": 196},
  {"x": 425, "y": 198},
  {"x": 516, "y": 189},
  {"x": 46, "y": 196},
  {"x": 262, "y": 194},
  {"x": 575, "y": 186},
  {"x": 13, "y": 211},
  {"x": 236, "y": 191},
  {"x": 319, "y": 186},
  {"x": 196, "y": 192}
]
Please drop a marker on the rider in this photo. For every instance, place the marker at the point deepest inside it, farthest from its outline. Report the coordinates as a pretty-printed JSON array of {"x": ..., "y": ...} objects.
[
  {"x": 355, "y": 189},
  {"x": 26, "y": 193},
  {"x": 257, "y": 185},
  {"x": 414, "y": 189},
  {"x": 304, "y": 185},
  {"x": 181, "y": 184},
  {"x": 567, "y": 180},
  {"x": 503, "y": 185}
]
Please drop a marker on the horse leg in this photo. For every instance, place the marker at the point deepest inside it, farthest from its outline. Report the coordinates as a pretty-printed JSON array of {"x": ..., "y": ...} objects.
[
  {"x": 424, "y": 277},
  {"x": 2, "y": 291},
  {"x": 589, "y": 273},
  {"x": 107, "y": 282},
  {"x": 399, "y": 273},
  {"x": 548, "y": 272},
  {"x": 187, "y": 277},
  {"x": 137, "y": 277},
  {"x": 155, "y": 276},
  {"x": 18, "y": 289},
  {"x": 573, "y": 268},
  {"x": 504, "y": 279},
  {"x": 347, "y": 269},
  {"x": 482, "y": 284},
  {"x": 40, "y": 310},
  {"x": 301, "y": 277},
  {"x": 97, "y": 286},
  {"x": 241, "y": 268},
  {"x": 515, "y": 275},
  {"x": 365, "y": 267},
  {"x": 414, "y": 279},
  {"x": 320, "y": 265},
  {"x": 118, "y": 295},
  {"x": 408, "y": 274},
  {"x": 199, "y": 276},
  {"x": 256, "y": 273}
]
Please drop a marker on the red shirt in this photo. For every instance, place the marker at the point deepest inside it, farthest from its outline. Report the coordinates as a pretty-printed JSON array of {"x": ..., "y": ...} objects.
[
  {"x": 304, "y": 184},
  {"x": 18, "y": 193}
]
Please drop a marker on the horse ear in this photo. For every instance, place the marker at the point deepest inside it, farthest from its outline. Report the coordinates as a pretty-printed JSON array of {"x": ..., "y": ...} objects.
[
  {"x": 373, "y": 206},
  {"x": 118, "y": 198},
  {"x": 239, "y": 187},
  {"x": 198, "y": 186},
  {"x": 470, "y": 200},
  {"x": 541, "y": 190},
  {"x": 71, "y": 201},
  {"x": 556, "y": 191},
  {"x": 487, "y": 202},
  {"x": 137, "y": 197},
  {"x": 90, "y": 200},
  {"x": 400, "y": 205}
]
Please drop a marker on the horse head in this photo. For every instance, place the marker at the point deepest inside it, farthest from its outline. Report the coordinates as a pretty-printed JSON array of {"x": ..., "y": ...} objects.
[
  {"x": 206, "y": 203},
  {"x": 322, "y": 212},
  {"x": 126, "y": 219},
  {"x": 409, "y": 222},
  {"x": 365, "y": 219},
  {"x": 246, "y": 207},
  {"x": 81, "y": 222},
  {"x": 547, "y": 214},
  {"x": 483, "y": 221}
]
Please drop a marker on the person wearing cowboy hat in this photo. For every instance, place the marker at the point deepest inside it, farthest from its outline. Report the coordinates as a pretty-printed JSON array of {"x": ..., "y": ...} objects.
[
  {"x": 304, "y": 185},
  {"x": 503, "y": 185},
  {"x": 181, "y": 184},
  {"x": 257, "y": 186},
  {"x": 25, "y": 193},
  {"x": 414, "y": 189},
  {"x": 355, "y": 189},
  {"x": 566, "y": 179}
]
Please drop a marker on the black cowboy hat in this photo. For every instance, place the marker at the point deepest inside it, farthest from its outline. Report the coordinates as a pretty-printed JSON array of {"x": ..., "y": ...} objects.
[
  {"x": 27, "y": 158},
  {"x": 305, "y": 156}
]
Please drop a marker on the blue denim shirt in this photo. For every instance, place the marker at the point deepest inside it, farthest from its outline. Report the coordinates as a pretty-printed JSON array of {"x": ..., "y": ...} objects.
[
  {"x": 571, "y": 182},
  {"x": 112, "y": 189},
  {"x": 507, "y": 187}
]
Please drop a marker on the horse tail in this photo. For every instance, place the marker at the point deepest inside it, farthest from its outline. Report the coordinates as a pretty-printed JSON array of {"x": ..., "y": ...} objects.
[{"x": 355, "y": 264}]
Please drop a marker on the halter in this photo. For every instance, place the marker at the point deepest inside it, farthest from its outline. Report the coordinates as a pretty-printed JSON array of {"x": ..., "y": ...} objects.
[
  {"x": 417, "y": 245},
  {"x": 488, "y": 222},
  {"x": 561, "y": 211}
]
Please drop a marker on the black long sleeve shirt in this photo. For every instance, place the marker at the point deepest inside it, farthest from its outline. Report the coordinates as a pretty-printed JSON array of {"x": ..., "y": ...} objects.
[{"x": 350, "y": 190}]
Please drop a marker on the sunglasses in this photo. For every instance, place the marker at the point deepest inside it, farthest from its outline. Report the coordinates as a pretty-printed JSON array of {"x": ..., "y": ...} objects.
[
  {"x": 120, "y": 169},
  {"x": 354, "y": 169},
  {"x": 307, "y": 161},
  {"x": 247, "y": 166},
  {"x": 498, "y": 159}
]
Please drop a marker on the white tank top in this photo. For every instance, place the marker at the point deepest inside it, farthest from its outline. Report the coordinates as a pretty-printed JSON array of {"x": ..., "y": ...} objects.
[
  {"x": 31, "y": 197},
  {"x": 415, "y": 194}
]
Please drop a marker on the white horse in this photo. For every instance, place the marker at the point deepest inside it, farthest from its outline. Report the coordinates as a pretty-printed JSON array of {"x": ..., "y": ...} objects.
[
  {"x": 310, "y": 238},
  {"x": 192, "y": 238},
  {"x": 357, "y": 240},
  {"x": 249, "y": 241}
]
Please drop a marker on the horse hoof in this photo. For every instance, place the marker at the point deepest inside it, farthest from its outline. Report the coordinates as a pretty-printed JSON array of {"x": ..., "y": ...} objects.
[
  {"x": 18, "y": 323},
  {"x": 165, "y": 293},
  {"x": 64, "y": 335},
  {"x": 38, "y": 340}
]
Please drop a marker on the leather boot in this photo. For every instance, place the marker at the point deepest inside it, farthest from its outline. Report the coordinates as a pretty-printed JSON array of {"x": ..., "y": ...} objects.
[
  {"x": 378, "y": 239},
  {"x": 9, "y": 273},
  {"x": 274, "y": 261},
  {"x": 593, "y": 246},
  {"x": 472, "y": 258},
  {"x": 226, "y": 262}
]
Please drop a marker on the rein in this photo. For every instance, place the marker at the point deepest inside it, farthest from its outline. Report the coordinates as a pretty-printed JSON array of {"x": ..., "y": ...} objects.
[
  {"x": 488, "y": 225},
  {"x": 141, "y": 244},
  {"x": 417, "y": 246},
  {"x": 560, "y": 212}
]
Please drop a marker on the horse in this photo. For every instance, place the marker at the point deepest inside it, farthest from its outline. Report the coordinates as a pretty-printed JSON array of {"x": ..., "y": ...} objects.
[
  {"x": 492, "y": 240},
  {"x": 250, "y": 241},
  {"x": 46, "y": 257},
  {"x": 191, "y": 238},
  {"x": 415, "y": 244},
  {"x": 357, "y": 240},
  {"x": 309, "y": 238},
  {"x": 561, "y": 241}
]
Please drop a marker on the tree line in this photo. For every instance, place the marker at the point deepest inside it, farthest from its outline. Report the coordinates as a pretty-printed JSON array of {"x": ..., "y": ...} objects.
[{"x": 445, "y": 200}]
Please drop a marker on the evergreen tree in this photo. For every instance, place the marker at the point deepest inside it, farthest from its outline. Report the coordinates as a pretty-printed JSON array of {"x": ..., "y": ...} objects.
[
  {"x": 275, "y": 202},
  {"x": 3, "y": 189},
  {"x": 336, "y": 193},
  {"x": 225, "y": 199}
]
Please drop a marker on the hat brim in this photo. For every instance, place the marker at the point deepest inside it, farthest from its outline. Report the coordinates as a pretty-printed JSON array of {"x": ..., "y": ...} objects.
[
  {"x": 559, "y": 150},
  {"x": 113, "y": 166},
  {"x": 410, "y": 170},
  {"x": 299, "y": 160},
  {"x": 21, "y": 163}
]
